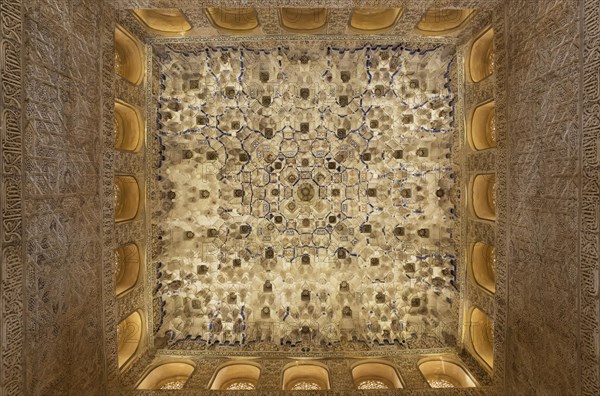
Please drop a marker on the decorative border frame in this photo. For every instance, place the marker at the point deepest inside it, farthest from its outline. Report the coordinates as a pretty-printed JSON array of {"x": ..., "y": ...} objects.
[
  {"x": 12, "y": 291},
  {"x": 501, "y": 169},
  {"x": 589, "y": 226}
]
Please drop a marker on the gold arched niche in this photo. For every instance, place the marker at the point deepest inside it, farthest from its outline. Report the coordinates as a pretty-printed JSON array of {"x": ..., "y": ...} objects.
[
  {"x": 443, "y": 21},
  {"x": 303, "y": 19},
  {"x": 481, "y": 56},
  {"x": 443, "y": 373},
  {"x": 129, "y": 127},
  {"x": 236, "y": 376},
  {"x": 171, "y": 375},
  {"x": 129, "y": 336},
  {"x": 128, "y": 267},
  {"x": 481, "y": 126},
  {"x": 375, "y": 375},
  {"x": 129, "y": 56},
  {"x": 306, "y": 375},
  {"x": 374, "y": 19},
  {"x": 483, "y": 196},
  {"x": 483, "y": 259},
  {"x": 233, "y": 19},
  {"x": 481, "y": 330},
  {"x": 127, "y": 198},
  {"x": 165, "y": 21}
]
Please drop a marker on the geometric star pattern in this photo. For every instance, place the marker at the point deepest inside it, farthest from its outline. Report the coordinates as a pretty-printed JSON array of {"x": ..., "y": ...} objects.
[{"x": 306, "y": 195}]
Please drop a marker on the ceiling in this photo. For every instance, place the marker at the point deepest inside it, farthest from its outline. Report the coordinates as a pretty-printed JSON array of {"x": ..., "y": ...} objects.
[{"x": 306, "y": 197}]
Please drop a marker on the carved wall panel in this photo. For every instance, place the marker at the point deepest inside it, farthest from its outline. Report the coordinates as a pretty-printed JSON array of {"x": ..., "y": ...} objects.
[
  {"x": 543, "y": 153},
  {"x": 12, "y": 298},
  {"x": 62, "y": 201},
  {"x": 589, "y": 254}
]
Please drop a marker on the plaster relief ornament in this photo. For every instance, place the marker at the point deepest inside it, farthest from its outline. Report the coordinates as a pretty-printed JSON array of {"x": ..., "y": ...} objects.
[{"x": 308, "y": 202}]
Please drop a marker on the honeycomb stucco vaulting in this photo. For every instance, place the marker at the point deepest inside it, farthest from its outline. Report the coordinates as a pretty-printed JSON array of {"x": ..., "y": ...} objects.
[{"x": 302, "y": 166}]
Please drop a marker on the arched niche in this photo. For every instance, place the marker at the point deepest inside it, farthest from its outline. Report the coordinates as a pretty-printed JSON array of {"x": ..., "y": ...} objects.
[
  {"x": 129, "y": 56},
  {"x": 443, "y": 21},
  {"x": 303, "y": 19},
  {"x": 306, "y": 376},
  {"x": 481, "y": 128},
  {"x": 233, "y": 19},
  {"x": 442, "y": 373},
  {"x": 129, "y": 335},
  {"x": 165, "y": 21},
  {"x": 128, "y": 260},
  {"x": 127, "y": 198},
  {"x": 483, "y": 260},
  {"x": 129, "y": 127},
  {"x": 172, "y": 375},
  {"x": 481, "y": 329},
  {"x": 375, "y": 375},
  {"x": 483, "y": 196},
  {"x": 374, "y": 19},
  {"x": 481, "y": 56},
  {"x": 236, "y": 376}
]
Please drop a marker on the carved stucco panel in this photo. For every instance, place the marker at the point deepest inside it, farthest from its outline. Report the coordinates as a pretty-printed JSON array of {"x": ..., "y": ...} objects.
[
  {"x": 542, "y": 212},
  {"x": 590, "y": 202},
  {"x": 129, "y": 93},
  {"x": 12, "y": 266}
]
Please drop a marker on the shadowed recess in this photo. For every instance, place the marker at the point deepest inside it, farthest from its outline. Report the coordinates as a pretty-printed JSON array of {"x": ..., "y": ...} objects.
[
  {"x": 441, "y": 373},
  {"x": 129, "y": 127},
  {"x": 306, "y": 376},
  {"x": 374, "y": 19},
  {"x": 483, "y": 262},
  {"x": 481, "y": 56},
  {"x": 172, "y": 375},
  {"x": 127, "y": 198},
  {"x": 236, "y": 376},
  {"x": 441, "y": 21},
  {"x": 303, "y": 19},
  {"x": 166, "y": 21},
  {"x": 127, "y": 258},
  {"x": 484, "y": 196},
  {"x": 481, "y": 126},
  {"x": 129, "y": 56},
  {"x": 233, "y": 19},
  {"x": 482, "y": 336},
  {"x": 375, "y": 375},
  {"x": 129, "y": 335}
]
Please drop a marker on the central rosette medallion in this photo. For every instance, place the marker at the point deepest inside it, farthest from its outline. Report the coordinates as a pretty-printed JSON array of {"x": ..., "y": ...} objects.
[{"x": 306, "y": 192}]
